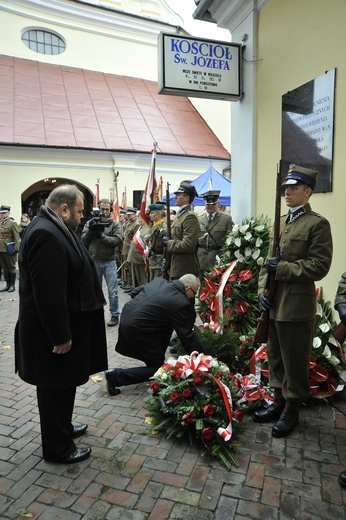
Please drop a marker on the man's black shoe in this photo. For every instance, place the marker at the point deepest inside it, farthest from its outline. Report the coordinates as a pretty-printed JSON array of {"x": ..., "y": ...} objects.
[
  {"x": 125, "y": 286},
  {"x": 342, "y": 479},
  {"x": 129, "y": 289},
  {"x": 113, "y": 321},
  {"x": 112, "y": 383},
  {"x": 77, "y": 456},
  {"x": 269, "y": 414},
  {"x": 286, "y": 424},
  {"x": 78, "y": 431}
]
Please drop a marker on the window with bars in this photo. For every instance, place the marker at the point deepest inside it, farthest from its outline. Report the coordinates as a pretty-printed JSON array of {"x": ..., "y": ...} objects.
[{"x": 44, "y": 42}]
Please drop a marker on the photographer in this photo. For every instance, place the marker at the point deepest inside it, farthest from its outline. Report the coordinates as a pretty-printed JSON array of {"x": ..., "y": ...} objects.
[{"x": 101, "y": 236}]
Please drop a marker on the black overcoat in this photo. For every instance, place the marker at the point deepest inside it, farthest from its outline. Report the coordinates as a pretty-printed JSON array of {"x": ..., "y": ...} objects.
[
  {"x": 147, "y": 322},
  {"x": 60, "y": 299}
]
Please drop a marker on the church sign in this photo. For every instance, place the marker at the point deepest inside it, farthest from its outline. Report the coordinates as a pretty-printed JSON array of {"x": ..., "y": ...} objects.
[{"x": 197, "y": 67}]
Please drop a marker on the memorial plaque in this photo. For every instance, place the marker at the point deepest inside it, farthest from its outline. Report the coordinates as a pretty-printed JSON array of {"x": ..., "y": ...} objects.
[{"x": 308, "y": 128}]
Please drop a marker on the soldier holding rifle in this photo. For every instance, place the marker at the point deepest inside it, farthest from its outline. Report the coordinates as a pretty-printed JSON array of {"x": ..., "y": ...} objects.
[{"x": 304, "y": 256}]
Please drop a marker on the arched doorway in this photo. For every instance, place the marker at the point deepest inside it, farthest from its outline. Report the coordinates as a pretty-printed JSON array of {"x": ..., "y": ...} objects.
[{"x": 36, "y": 194}]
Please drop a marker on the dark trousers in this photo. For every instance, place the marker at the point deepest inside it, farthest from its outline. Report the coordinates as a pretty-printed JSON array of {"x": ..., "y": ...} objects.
[
  {"x": 56, "y": 409},
  {"x": 131, "y": 376}
]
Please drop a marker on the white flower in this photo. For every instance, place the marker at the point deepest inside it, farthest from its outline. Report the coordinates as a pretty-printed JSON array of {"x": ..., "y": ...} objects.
[
  {"x": 324, "y": 327},
  {"x": 259, "y": 242},
  {"x": 319, "y": 310},
  {"x": 238, "y": 241},
  {"x": 260, "y": 261},
  {"x": 334, "y": 360},
  {"x": 259, "y": 228},
  {"x": 243, "y": 229},
  {"x": 326, "y": 353},
  {"x": 248, "y": 236},
  {"x": 317, "y": 342},
  {"x": 332, "y": 341},
  {"x": 256, "y": 254},
  {"x": 239, "y": 256},
  {"x": 247, "y": 252},
  {"x": 229, "y": 240}
]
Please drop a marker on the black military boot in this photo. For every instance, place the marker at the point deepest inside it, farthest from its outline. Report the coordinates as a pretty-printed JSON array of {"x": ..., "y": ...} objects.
[
  {"x": 12, "y": 280},
  {"x": 6, "y": 276},
  {"x": 286, "y": 424},
  {"x": 269, "y": 414}
]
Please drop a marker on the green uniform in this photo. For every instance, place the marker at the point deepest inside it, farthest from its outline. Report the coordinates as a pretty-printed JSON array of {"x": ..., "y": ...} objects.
[
  {"x": 306, "y": 253},
  {"x": 183, "y": 245},
  {"x": 213, "y": 236},
  {"x": 156, "y": 249}
]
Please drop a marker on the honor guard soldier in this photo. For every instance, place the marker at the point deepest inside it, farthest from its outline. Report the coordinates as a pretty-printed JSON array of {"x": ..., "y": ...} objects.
[
  {"x": 9, "y": 247},
  {"x": 214, "y": 228},
  {"x": 185, "y": 232},
  {"x": 303, "y": 257},
  {"x": 155, "y": 239},
  {"x": 130, "y": 230}
]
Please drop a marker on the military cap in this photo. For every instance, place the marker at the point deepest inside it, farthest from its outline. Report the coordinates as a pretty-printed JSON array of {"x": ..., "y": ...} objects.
[
  {"x": 188, "y": 188},
  {"x": 131, "y": 211},
  {"x": 5, "y": 209},
  {"x": 211, "y": 196},
  {"x": 156, "y": 206},
  {"x": 299, "y": 175}
]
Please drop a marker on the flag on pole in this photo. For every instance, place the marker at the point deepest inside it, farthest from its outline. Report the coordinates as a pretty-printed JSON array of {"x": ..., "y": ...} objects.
[
  {"x": 97, "y": 193},
  {"x": 150, "y": 192},
  {"x": 116, "y": 199},
  {"x": 139, "y": 243},
  {"x": 124, "y": 200},
  {"x": 160, "y": 190}
]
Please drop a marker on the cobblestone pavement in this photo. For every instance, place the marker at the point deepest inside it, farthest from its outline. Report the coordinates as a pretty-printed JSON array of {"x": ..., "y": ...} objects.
[{"x": 135, "y": 476}]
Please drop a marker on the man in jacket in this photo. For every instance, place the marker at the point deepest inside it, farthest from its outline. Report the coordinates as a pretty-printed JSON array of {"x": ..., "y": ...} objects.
[
  {"x": 304, "y": 256},
  {"x": 60, "y": 334},
  {"x": 185, "y": 233},
  {"x": 214, "y": 228},
  {"x": 9, "y": 247},
  {"x": 101, "y": 238},
  {"x": 147, "y": 323}
]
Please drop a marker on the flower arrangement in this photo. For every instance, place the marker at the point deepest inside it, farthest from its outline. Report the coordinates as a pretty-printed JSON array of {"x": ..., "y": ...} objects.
[
  {"x": 228, "y": 296},
  {"x": 199, "y": 398}
]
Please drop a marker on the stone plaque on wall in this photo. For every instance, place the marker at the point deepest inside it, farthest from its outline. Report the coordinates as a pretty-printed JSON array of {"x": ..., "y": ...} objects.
[{"x": 308, "y": 128}]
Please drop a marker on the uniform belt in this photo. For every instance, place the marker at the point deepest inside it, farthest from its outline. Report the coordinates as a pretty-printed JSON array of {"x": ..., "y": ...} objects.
[{"x": 210, "y": 248}]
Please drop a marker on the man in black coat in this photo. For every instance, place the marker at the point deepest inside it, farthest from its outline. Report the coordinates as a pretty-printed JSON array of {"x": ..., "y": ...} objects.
[
  {"x": 60, "y": 334},
  {"x": 146, "y": 326}
]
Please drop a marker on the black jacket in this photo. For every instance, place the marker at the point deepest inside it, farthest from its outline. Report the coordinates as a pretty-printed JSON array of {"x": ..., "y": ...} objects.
[
  {"x": 60, "y": 299},
  {"x": 147, "y": 322}
]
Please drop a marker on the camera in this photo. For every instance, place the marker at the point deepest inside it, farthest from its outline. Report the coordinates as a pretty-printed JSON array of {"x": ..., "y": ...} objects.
[{"x": 99, "y": 221}]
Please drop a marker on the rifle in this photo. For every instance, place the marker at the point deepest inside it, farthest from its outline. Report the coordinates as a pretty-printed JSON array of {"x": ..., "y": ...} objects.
[
  {"x": 262, "y": 329},
  {"x": 167, "y": 256}
]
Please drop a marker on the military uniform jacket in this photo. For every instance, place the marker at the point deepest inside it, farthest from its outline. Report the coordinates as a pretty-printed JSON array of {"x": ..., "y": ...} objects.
[
  {"x": 129, "y": 233},
  {"x": 213, "y": 236},
  {"x": 182, "y": 247},
  {"x": 134, "y": 255},
  {"x": 306, "y": 249},
  {"x": 9, "y": 232},
  {"x": 341, "y": 291},
  {"x": 155, "y": 244}
]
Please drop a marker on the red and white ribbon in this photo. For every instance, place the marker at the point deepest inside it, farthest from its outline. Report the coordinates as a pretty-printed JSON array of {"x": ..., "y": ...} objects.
[{"x": 219, "y": 294}]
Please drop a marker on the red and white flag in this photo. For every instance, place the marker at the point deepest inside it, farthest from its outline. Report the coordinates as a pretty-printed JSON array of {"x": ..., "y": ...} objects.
[
  {"x": 115, "y": 202},
  {"x": 97, "y": 193},
  {"x": 140, "y": 244},
  {"x": 150, "y": 192},
  {"x": 124, "y": 200}
]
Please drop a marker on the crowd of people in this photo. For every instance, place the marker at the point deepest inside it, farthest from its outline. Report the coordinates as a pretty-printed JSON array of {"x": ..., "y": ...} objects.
[{"x": 61, "y": 341}]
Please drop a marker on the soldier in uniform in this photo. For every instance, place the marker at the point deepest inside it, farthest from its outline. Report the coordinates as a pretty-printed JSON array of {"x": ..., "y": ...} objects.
[
  {"x": 182, "y": 247},
  {"x": 304, "y": 256},
  {"x": 214, "y": 228},
  {"x": 130, "y": 230},
  {"x": 137, "y": 255},
  {"x": 155, "y": 239},
  {"x": 9, "y": 247}
]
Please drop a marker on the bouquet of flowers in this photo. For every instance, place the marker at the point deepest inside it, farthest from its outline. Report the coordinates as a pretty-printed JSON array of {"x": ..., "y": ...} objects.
[
  {"x": 228, "y": 296},
  {"x": 197, "y": 397}
]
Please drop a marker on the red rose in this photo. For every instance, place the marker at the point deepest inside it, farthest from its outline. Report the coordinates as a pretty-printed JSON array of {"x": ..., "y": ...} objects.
[
  {"x": 207, "y": 434},
  {"x": 188, "y": 418},
  {"x": 174, "y": 396},
  {"x": 197, "y": 380},
  {"x": 175, "y": 375},
  {"x": 186, "y": 393},
  {"x": 154, "y": 386},
  {"x": 208, "y": 410}
]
